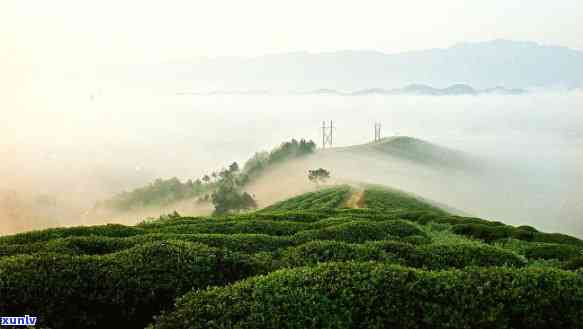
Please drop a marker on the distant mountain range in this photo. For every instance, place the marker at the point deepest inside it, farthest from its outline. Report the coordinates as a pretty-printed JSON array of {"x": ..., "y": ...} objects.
[
  {"x": 418, "y": 89},
  {"x": 481, "y": 65},
  {"x": 414, "y": 89}
]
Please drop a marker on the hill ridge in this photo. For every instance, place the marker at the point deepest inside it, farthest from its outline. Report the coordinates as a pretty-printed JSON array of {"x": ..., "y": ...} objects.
[
  {"x": 480, "y": 64},
  {"x": 189, "y": 268},
  {"x": 415, "y": 150}
]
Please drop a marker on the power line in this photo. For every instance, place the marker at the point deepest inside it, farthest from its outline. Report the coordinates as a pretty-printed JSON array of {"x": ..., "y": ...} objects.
[
  {"x": 377, "y": 131},
  {"x": 327, "y": 134}
]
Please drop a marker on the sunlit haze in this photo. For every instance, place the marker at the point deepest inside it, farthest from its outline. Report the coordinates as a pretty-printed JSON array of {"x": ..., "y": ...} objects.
[{"x": 102, "y": 97}]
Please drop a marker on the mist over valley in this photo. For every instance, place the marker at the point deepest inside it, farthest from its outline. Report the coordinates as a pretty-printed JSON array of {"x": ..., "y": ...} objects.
[{"x": 93, "y": 146}]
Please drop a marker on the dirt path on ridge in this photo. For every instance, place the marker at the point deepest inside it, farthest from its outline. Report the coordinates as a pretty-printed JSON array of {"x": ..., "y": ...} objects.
[{"x": 356, "y": 199}]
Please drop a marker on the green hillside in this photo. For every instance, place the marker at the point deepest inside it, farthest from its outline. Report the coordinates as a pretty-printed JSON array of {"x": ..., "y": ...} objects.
[
  {"x": 396, "y": 261},
  {"x": 163, "y": 192},
  {"x": 417, "y": 151}
]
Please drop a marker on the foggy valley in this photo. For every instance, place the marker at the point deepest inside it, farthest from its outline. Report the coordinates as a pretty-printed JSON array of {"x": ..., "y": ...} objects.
[
  {"x": 291, "y": 164},
  {"x": 87, "y": 145}
]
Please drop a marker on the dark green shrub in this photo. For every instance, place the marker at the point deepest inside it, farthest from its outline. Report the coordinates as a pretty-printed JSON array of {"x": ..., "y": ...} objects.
[
  {"x": 269, "y": 227},
  {"x": 98, "y": 245},
  {"x": 553, "y": 251},
  {"x": 81, "y": 245},
  {"x": 326, "y": 251},
  {"x": 574, "y": 263},
  {"x": 473, "y": 220},
  {"x": 109, "y": 230},
  {"x": 357, "y": 232},
  {"x": 527, "y": 228},
  {"x": 123, "y": 289},
  {"x": 87, "y": 245},
  {"x": 426, "y": 216},
  {"x": 21, "y": 249},
  {"x": 331, "y": 221},
  {"x": 373, "y": 295},
  {"x": 443, "y": 256},
  {"x": 434, "y": 257},
  {"x": 557, "y": 238},
  {"x": 406, "y": 253},
  {"x": 521, "y": 234},
  {"x": 490, "y": 233},
  {"x": 364, "y": 213},
  {"x": 483, "y": 232},
  {"x": 306, "y": 216},
  {"x": 401, "y": 228},
  {"x": 416, "y": 239},
  {"x": 420, "y": 216},
  {"x": 245, "y": 243},
  {"x": 153, "y": 224}
]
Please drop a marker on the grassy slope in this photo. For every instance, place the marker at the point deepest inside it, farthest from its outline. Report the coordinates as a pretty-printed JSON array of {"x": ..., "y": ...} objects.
[
  {"x": 404, "y": 162},
  {"x": 394, "y": 159},
  {"x": 106, "y": 275},
  {"x": 418, "y": 151},
  {"x": 466, "y": 185}
]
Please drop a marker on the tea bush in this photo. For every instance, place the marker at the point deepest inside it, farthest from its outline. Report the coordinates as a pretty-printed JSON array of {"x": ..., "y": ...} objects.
[
  {"x": 374, "y": 295},
  {"x": 109, "y": 230},
  {"x": 325, "y": 251},
  {"x": 445, "y": 256},
  {"x": 328, "y": 198},
  {"x": 361, "y": 231},
  {"x": 123, "y": 289},
  {"x": 553, "y": 251}
]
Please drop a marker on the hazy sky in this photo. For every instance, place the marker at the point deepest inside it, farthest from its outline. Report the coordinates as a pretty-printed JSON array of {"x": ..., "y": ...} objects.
[
  {"x": 71, "y": 37},
  {"x": 113, "y": 31},
  {"x": 60, "y": 124}
]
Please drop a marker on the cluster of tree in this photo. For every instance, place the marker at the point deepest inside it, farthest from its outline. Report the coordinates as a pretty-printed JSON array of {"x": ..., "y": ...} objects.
[
  {"x": 229, "y": 196},
  {"x": 162, "y": 217},
  {"x": 318, "y": 176},
  {"x": 287, "y": 150},
  {"x": 159, "y": 192},
  {"x": 222, "y": 187}
]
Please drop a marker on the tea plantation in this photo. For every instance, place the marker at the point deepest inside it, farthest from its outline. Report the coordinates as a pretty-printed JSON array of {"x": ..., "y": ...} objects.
[{"x": 307, "y": 262}]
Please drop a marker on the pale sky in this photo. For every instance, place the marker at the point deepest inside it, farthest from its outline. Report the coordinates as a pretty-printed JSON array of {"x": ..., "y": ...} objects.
[
  {"x": 157, "y": 30},
  {"x": 62, "y": 35},
  {"x": 66, "y": 130}
]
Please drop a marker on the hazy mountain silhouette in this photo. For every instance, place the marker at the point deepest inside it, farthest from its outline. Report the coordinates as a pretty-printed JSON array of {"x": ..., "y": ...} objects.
[
  {"x": 413, "y": 89},
  {"x": 481, "y": 65}
]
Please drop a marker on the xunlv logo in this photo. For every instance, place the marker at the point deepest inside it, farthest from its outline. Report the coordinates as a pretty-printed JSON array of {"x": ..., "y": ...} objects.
[{"x": 18, "y": 320}]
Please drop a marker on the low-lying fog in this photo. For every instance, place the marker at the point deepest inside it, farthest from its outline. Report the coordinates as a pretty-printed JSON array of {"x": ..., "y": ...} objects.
[{"x": 62, "y": 150}]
